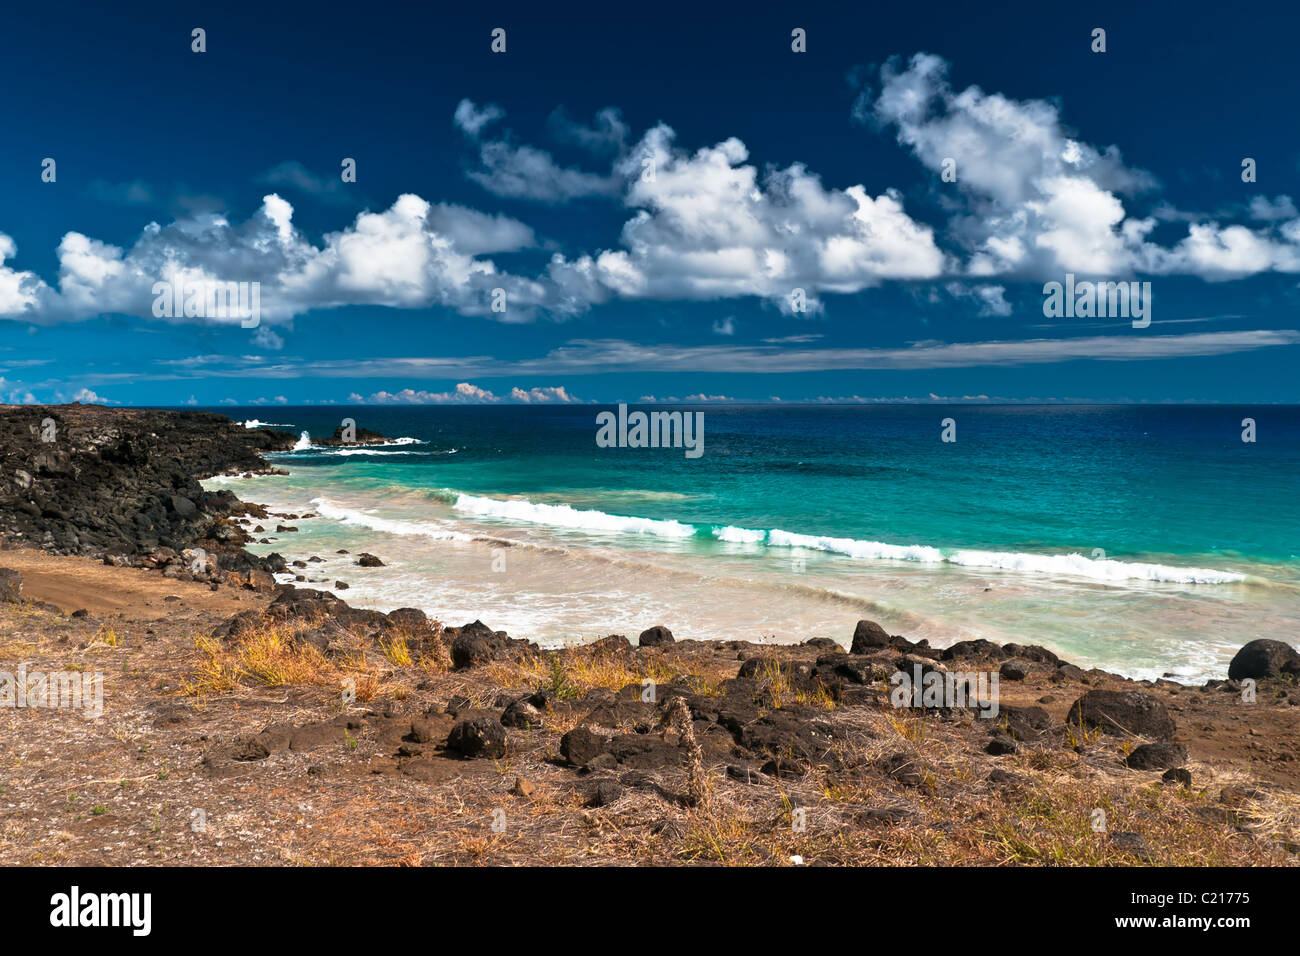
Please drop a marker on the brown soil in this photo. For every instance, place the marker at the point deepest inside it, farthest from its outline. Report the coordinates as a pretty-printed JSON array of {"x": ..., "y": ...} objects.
[{"x": 172, "y": 774}]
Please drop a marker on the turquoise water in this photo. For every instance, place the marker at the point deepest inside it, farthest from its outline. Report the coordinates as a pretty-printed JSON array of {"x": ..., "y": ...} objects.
[{"x": 1146, "y": 539}]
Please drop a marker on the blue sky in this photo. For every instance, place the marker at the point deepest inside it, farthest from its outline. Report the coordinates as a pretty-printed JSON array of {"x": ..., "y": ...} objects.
[{"x": 526, "y": 172}]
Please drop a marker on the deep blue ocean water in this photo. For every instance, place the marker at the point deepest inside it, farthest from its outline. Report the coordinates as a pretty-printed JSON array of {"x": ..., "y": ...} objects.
[{"x": 1131, "y": 481}]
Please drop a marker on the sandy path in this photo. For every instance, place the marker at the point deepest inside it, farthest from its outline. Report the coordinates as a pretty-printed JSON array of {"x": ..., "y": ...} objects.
[{"x": 72, "y": 583}]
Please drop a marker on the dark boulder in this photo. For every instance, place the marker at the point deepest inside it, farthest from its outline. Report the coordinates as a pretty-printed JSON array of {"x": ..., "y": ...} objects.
[
  {"x": 1014, "y": 670},
  {"x": 655, "y": 636},
  {"x": 1122, "y": 713},
  {"x": 478, "y": 737},
  {"x": 1031, "y": 652},
  {"x": 1157, "y": 756},
  {"x": 869, "y": 636},
  {"x": 787, "y": 733},
  {"x": 522, "y": 714},
  {"x": 976, "y": 648},
  {"x": 581, "y": 745},
  {"x": 1265, "y": 658}
]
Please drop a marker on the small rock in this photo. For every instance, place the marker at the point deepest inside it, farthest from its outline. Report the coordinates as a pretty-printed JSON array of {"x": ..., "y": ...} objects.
[
  {"x": 1000, "y": 745},
  {"x": 522, "y": 714},
  {"x": 1158, "y": 756},
  {"x": 421, "y": 731},
  {"x": 1178, "y": 775},
  {"x": 656, "y": 636},
  {"x": 1131, "y": 843},
  {"x": 1014, "y": 670},
  {"x": 604, "y": 793},
  {"x": 478, "y": 737}
]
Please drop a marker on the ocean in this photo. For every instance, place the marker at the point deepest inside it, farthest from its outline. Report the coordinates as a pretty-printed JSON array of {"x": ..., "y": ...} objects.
[{"x": 1146, "y": 540}]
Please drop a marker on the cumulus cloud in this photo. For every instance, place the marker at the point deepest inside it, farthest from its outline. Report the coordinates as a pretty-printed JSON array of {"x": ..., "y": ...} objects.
[
  {"x": 992, "y": 298},
  {"x": 1039, "y": 201},
  {"x": 477, "y": 233},
  {"x": 708, "y": 227},
  {"x": 266, "y": 338},
  {"x": 526, "y": 172},
  {"x": 466, "y": 393},
  {"x": 1032, "y": 200},
  {"x": 407, "y": 256}
]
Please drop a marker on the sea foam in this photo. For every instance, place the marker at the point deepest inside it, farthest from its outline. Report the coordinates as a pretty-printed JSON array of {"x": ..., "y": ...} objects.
[{"x": 567, "y": 517}]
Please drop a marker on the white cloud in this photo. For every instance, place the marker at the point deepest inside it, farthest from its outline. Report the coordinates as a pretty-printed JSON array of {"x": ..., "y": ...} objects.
[
  {"x": 1039, "y": 201},
  {"x": 607, "y": 133},
  {"x": 542, "y": 396},
  {"x": 266, "y": 338},
  {"x": 471, "y": 119},
  {"x": 466, "y": 393},
  {"x": 476, "y": 233},
  {"x": 1031, "y": 200},
  {"x": 708, "y": 228},
  {"x": 991, "y": 298},
  {"x": 410, "y": 255},
  {"x": 1273, "y": 210},
  {"x": 525, "y": 172}
]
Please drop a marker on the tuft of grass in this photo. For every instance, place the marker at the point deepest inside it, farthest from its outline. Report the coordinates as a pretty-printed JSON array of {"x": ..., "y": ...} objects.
[
  {"x": 270, "y": 656},
  {"x": 396, "y": 650}
]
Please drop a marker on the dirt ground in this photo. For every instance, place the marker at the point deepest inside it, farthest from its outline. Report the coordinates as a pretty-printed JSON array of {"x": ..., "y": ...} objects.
[{"x": 187, "y": 766}]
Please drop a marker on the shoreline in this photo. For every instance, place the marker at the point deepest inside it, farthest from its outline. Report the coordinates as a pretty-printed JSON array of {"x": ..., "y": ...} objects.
[{"x": 228, "y": 693}]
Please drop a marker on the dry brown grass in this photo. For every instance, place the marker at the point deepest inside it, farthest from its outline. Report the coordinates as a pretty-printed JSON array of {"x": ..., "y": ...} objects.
[
  {"x": 270, "y": 656},
  {"x": 575, "y": 673}
]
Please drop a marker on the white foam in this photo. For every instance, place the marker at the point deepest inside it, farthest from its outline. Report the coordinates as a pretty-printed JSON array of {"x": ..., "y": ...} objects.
[
  {"x": 866, "y": 550},
  {"x": 565, "y": 516},
  {"x": 739, "y": 535},
  {"x": 351, "y": 516},
  {"x": 254, "y": 423},
  {"x": 1096, "y": 569},
  {"x": 1072, "y": 565},
  {"x": 347, "y": 452},
  {"x": 303, "y": 443}
]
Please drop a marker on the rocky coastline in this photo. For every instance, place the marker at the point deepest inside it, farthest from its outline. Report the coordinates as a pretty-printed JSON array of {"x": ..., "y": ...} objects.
[{"x": 733, "y": 751}]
